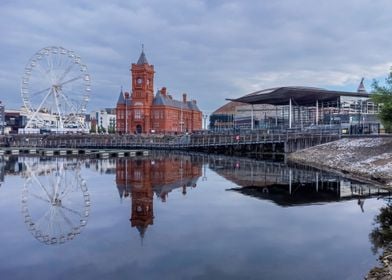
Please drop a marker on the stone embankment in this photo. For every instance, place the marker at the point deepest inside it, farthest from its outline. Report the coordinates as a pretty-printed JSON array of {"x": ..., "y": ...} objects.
[
  {"x": 385, "y": 271},
  {"x": 365, "y": 158}
]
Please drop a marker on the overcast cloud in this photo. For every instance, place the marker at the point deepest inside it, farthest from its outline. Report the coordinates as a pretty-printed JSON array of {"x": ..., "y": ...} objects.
[{"x": 211, "y": 50}]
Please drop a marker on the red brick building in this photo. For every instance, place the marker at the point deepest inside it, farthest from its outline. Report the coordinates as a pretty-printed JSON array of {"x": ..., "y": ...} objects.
[{"x": 142, "y": 112}]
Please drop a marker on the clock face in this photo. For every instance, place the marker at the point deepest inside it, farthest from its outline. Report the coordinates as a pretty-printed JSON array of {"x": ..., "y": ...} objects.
[{"x": 139, "y": 81}]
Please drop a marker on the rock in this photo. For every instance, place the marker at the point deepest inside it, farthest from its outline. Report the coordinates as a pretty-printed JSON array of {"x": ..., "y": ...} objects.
[{"x": 366, "y": 158}]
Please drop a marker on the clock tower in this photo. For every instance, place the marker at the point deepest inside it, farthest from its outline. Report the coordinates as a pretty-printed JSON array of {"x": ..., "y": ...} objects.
[{"x": 142, "y": 83}]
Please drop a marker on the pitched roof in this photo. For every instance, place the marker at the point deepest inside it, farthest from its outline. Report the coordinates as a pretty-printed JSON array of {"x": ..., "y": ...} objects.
[
  {"x": 121, "y": 99},
  {"x": 160, "y": 99},
  {"x": 142, "y": 59}
]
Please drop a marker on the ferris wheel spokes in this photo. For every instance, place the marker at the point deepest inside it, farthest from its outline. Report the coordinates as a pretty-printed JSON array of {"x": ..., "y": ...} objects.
[
  {"x": 39, "y": 108},
  {"x": 62, "y": 73},
  {"x": 71, "y": 80},
  {"x": 39, "y": 92}
]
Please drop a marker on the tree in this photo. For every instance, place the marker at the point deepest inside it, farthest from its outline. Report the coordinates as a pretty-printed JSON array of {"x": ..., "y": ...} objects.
[
  {"x": 381, "y": 235},
  {"x": 382, "y": 95},
  {"x": 101, "y": 129}
]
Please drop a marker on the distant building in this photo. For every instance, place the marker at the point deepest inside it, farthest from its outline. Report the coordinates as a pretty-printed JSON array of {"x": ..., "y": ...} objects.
[
  {"x": 14, "y": 120},
  {"x": 142, "y": 112},
  {"x": 2, "y": 118},
  {"x": 223, "y": 117},
  {"x": 238, "y": 115},
  {"x": 103, "y": 120}
]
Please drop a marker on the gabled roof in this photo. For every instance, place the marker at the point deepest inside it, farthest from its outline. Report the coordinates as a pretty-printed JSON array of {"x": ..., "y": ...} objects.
[
  {"x": 142, "y": 59},
  {"x": 160, "y": 99},
  {"x": 192, "y": 105}
]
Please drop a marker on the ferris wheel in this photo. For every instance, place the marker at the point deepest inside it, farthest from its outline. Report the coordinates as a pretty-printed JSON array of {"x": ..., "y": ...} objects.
[
  {"x": 55, "y": 201},
  {"x": 55, "y": 89}
]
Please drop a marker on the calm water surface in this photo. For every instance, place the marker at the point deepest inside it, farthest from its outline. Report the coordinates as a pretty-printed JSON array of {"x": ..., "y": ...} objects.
[{"x": 170, "y": 216}]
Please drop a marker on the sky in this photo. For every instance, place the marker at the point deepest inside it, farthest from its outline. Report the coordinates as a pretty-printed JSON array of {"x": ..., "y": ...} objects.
[{"x": 211, "y": 50}]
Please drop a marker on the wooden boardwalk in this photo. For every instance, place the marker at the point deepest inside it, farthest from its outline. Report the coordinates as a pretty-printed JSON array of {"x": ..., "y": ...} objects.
[{"x": 252, "y": 140}]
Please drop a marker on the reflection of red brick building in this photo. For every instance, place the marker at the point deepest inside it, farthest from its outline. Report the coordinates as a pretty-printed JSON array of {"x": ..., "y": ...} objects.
[
  {"x": 140, "y": 178},
  {"x": 142, "y": 112}
]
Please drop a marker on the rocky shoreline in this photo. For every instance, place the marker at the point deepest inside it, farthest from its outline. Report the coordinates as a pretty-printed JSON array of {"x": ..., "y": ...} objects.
[
  {"x": 368, "y": 159},
  {"x": 384, "y": 272}
]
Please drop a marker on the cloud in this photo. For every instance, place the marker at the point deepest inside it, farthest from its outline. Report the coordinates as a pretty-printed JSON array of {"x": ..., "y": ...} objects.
[{"x": 210, "y": 49}]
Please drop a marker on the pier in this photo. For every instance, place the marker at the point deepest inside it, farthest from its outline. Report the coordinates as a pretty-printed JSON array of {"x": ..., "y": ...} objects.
[
  {"x": 227, "y": 142},
  {"x": 49, "y": 152}
]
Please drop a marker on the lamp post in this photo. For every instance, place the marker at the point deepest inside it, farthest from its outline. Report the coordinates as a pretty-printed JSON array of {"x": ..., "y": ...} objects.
[
  {"x": 205, "y": 121},
  {"x": 181, "y": 123},
  {"x": 126, "y": 116}
]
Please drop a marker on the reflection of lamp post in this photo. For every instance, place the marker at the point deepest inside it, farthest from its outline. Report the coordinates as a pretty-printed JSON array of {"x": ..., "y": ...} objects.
[
  {"x": 205, "y": 121},
  {"x": 204, "y": 178}
]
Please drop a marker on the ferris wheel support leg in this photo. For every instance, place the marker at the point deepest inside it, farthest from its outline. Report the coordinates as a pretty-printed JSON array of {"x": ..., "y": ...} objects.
[
  {"x": 39, "y": 108},
  {"x": 58, "y": 111}
]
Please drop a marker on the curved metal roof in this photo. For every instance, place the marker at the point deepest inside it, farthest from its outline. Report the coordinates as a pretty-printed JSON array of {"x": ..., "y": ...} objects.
[{"x": 302, "y": 96}]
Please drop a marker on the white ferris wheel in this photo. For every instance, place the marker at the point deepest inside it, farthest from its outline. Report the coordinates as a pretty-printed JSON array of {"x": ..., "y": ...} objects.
[{"x": 55, "y": 90}]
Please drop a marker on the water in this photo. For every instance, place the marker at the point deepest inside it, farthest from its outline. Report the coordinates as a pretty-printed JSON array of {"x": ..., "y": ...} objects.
[{"x": 182, "y": 217}]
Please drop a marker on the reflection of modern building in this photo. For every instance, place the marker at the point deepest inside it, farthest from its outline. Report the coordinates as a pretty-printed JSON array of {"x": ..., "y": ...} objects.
[
  {"x": 2, "y": 170},
  {"x": 290, "y": 185},
  {"x": 140, "y": 178}
]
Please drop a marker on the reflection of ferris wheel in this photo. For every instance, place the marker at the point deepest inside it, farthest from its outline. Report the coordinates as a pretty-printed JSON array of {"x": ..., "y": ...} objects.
[
  {"x": 55, "y": 89},
  {"x": 55, "y": 201}
]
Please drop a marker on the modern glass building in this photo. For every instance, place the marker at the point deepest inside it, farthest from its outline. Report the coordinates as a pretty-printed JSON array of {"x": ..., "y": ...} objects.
[{"x": 301, "y": 108}]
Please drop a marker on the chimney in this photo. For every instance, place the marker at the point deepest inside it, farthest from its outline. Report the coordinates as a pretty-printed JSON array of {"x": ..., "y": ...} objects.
[
  {"x": 194, "y": 101},
  {"x": 163, "y": 91},
  {"x": 184, "y": 97}
]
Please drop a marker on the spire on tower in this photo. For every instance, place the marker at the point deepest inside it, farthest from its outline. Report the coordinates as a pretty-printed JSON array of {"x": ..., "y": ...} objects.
[
  {"x": 142, "y": 58},
  {"x": 121, "y": 99},
  {"x": 361, "y": 87}
]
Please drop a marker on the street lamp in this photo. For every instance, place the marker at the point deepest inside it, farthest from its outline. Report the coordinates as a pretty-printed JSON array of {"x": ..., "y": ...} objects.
[
  {"x": 205, "y": 120},
  {"x": 126, "y": 116},
  {"x": 181, "y": 117}
]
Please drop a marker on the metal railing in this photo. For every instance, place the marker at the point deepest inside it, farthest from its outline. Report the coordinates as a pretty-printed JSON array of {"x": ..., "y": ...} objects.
[{"x": 197, "y": 140}]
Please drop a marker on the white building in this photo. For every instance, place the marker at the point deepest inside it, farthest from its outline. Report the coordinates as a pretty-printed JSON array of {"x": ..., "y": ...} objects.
[{"x": 103, "y": 120}]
